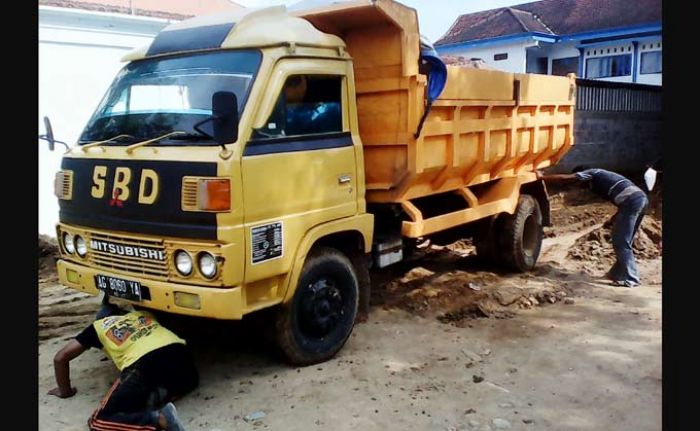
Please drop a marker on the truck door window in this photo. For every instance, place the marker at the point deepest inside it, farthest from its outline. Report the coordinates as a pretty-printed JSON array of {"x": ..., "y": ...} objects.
[{"x": 307, "y": 105}]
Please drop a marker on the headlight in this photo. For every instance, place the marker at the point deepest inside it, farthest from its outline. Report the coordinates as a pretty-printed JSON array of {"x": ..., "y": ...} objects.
[
  {"x": 207, "y": 264},
  {"x": 80, "y": 246},
  {"x": 68, "y": 243},
  {"x": 183, "y": 262}
]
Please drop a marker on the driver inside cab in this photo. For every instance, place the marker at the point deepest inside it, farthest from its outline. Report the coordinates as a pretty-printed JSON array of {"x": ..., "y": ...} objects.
[{"x": 300, "y": 111}]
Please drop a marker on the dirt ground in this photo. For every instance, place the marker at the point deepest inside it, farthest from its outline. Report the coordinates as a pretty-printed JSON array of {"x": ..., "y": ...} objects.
[{"x": 450, "y": 345}]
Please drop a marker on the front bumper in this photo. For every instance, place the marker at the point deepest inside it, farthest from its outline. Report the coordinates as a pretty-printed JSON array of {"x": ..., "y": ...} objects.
[{"x": 217, "y": 303}]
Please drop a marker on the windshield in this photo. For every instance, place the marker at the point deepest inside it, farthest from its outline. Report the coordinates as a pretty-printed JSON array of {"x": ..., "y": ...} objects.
[{"x": 153, "y": 97}]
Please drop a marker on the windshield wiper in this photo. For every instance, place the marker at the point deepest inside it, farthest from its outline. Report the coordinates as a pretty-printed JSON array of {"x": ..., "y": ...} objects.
[
  {"x": 95, "y": 144},
  {"x": 192, "y": 137},
  {"x": 132, "y": 147}
]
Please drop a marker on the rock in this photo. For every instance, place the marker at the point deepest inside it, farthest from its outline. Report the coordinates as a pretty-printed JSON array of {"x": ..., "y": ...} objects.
[
  {"x": 501, "y": 424},
  {"x": 512, "y": 370},
  {"x": 416, "y": 274},
  {"x": 488, "y": 306},
  {"x": 569, "y": 301},
  {"x": 473, "y": 423},
  {"x": 507, "y": 405},
  {"x": 507, "y": 295},
  {"x": 469, "y": 411},
  {"x": 486, "y": 352},
  {"x": 252, "y": 417},
  {"x": 528, "y": 421},
  {"x": 474, "y": 286},
  {"x": 477, "y": 379},
  {"x": 471, "y": 355}
]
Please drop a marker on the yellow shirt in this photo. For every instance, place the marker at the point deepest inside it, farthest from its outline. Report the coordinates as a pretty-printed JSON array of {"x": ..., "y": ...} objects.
[{"x": 125, "y": 339}]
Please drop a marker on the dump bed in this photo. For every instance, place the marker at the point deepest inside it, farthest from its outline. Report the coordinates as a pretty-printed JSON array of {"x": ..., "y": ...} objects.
[{"x": 485, "y": 124}]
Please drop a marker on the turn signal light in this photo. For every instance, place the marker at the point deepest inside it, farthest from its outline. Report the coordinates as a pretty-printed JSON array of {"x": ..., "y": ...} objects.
[{"x": 214, "y": 195}]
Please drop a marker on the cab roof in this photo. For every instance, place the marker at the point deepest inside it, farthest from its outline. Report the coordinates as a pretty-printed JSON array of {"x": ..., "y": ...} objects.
[{"x": 238, "y": 29}]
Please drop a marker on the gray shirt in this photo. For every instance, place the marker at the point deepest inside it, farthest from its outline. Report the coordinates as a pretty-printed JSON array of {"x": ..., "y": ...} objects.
[{"x": 609, "y": 185}]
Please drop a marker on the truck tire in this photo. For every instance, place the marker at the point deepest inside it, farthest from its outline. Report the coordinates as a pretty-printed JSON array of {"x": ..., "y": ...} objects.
[
  {"x": 318, "y": 320},
  {"x": 521, "y": 235}
]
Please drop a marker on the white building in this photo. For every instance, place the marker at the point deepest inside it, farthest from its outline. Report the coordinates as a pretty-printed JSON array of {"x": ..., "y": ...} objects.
[
  {"x": 80, "y": 49},
  {"x": 611, "y": 40}
]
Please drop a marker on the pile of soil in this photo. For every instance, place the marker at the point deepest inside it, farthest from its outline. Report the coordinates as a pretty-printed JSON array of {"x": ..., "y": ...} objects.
[
  {"x": 474, "y": 63},
  {"x": 596, "y": 246},
  {"x": 48, "y": 253},
  {"x": 446, "y": 285},
  {"x": 574, "y": 209},
  {"x": 570, "y": 219}
]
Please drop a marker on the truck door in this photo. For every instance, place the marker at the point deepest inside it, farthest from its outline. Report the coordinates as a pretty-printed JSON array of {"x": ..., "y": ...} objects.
[{"x": 299, "y": 168}]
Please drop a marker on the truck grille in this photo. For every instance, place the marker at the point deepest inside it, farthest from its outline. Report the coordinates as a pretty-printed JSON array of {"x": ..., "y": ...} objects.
[{"x": 132, "y": 264}]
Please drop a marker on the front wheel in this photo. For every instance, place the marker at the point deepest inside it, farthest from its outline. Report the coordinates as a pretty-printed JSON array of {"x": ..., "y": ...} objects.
[{"x": 318, "y": 320}]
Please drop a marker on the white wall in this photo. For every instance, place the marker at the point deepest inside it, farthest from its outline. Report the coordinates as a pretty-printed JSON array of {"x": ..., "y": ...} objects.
[
  {"x": 515, "y": 50},
  {"x": 79, "y": 55}
]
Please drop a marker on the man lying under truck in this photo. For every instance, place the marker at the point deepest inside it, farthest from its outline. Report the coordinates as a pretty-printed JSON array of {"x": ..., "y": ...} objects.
[
  {"x": 631, "y": 202},
  {"x": 156, "y": 368}
]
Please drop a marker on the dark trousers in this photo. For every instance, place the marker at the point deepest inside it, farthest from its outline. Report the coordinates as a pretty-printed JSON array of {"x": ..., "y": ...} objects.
[
  {"x": 133, "y": 401},
  {"x": 627, "y": 221}
]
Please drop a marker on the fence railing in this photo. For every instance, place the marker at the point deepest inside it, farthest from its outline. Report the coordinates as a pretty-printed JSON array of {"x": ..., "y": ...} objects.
[{"x": 594, "y": 95}]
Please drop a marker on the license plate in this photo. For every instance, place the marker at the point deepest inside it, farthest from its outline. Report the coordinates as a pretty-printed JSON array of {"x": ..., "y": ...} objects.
[{"x": 118, "y": 287}]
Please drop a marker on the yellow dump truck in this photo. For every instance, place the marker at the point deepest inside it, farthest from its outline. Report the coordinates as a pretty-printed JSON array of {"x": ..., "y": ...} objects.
[{"x": 270, "y": 158}]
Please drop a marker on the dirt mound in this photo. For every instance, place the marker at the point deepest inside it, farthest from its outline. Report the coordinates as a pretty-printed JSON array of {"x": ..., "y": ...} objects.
[
  {"x": 48, "y": 253},
  {"x": 474, "y": 63},
  {"x": 596, "y": 246},
  {"x": 47, "y": 246},
  {"x": 445, "y": 284},
  {"x": 570, "y": 219}
]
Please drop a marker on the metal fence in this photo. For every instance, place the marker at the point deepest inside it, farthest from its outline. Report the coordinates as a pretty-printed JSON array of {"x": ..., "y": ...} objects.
[{"x": 594, "y": 95}]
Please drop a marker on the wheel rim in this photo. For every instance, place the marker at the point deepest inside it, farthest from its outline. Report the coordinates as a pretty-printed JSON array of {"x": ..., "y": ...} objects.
[
  {"x": 530, "y": 236},
  {"x": 321, "y": 307}
]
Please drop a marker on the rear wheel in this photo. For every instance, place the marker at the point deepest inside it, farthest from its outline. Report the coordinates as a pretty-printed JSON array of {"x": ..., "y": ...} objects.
[
  {"x": 318, "y": 320},
  {"x": 520, "y": 239}
]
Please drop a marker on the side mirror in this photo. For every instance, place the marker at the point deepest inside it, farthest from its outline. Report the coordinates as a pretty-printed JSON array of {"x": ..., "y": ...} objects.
[
  {"x": 49, "y": 134},
  {"x": 224, "y": 106}
]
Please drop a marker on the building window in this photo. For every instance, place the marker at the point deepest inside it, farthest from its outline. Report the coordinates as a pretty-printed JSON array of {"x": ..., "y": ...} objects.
[
  {"x": 562, "y": 66},
  {"x": 606, "y": 67},
  {"x": 499, "y": 57},
  {"x": 651, "y": 62}
]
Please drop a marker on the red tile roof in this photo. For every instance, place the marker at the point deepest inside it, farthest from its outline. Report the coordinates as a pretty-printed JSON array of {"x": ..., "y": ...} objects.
[
  {"x": 168, "y": 9},
  {"x": 558, "y": 17}
]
